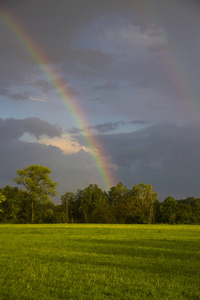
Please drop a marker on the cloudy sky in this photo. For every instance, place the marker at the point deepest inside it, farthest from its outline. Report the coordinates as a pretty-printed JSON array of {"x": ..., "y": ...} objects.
[{"x": 130, "y": 73}]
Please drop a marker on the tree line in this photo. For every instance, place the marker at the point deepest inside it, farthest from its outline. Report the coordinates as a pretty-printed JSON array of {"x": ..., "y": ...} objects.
[{"x": 121, "y": 205}]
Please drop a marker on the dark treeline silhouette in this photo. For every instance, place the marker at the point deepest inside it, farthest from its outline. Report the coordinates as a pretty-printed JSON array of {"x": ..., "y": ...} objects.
[{"x": 92, "y": 205}]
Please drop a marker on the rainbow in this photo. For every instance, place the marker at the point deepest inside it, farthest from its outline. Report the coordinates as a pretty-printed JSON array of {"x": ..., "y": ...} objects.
[{"x": 59, "y": 84}]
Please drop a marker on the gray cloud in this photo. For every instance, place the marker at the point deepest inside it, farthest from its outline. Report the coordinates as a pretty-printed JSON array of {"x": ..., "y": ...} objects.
[
  {"x": 105, "y": 86},
  {"x": 90, "y": 58},
  {"x": 138, "y": 122},
  {"x": 67, "y": 22},
  {"x": 45, "y": 85},
  {"x": 14, "y": 129},
  {"x": 14, "y": 96},
  {"x": 74, "y": 130},
  {"x": 165, "y": 155},
  {"x": 105, "y": 127}
]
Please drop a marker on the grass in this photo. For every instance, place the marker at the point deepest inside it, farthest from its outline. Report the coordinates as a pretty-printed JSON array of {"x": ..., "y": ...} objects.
[{"x": 80, "y": 261}]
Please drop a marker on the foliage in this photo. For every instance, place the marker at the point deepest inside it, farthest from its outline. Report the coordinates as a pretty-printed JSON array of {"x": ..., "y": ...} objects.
[
  {"x": 37, "y": 182},
  {"x": 90, "y": 205},
  {"x": 2, "y": 199},
  {"x": 12, "y": 203},
  {"x": 169, "y": 209},
  {"x": 145, "y": 197},
  {"x": 88, "y": 201}
]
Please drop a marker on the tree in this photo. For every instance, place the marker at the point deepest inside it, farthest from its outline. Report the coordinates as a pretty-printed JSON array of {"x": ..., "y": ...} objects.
[
  {"x": 157, "y": 211},
  {"x": 11, "y": 205},
  {"x": 184, "y": 213},
  {"x": 2, "y": 198},
  {"x": 89, "y": 196},
  {"x": 169, "y": 210},
  {"x": 37, "y": 182},
  {"x": 121, "y": 203},
  {"x": 102, "y": 212},
  {"x": 196, "y": 211},
  {"x": 144, "y": 200},
  {"x": 68, "y": 201}
]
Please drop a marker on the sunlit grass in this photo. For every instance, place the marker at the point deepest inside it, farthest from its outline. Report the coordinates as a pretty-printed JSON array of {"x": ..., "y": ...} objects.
[{"x": 99, "y": 262}]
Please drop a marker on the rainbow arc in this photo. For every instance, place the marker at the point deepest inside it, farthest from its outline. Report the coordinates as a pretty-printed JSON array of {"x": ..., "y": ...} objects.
[{"x": 40, "y": 57}]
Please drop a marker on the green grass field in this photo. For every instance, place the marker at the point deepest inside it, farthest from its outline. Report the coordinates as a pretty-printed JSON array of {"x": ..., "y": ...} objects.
[{"x": 80, "y": 261}]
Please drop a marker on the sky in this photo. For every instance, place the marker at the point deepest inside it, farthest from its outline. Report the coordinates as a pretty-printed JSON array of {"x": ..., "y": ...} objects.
[{"x": 102, "y": 92}]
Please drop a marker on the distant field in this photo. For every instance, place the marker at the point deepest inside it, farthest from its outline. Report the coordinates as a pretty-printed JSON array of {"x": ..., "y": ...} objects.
[{"x": 80, "y": 261}]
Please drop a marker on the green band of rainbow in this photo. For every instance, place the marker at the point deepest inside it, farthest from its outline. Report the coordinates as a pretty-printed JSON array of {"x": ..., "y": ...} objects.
[{"x": 40, "y": 57}]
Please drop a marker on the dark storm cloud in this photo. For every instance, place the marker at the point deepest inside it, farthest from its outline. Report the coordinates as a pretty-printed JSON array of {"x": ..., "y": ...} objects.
[
  {"x": 105, "y": 127},
  {"x": 90, "y": 58},
  {"x": 165, "y": 155},
  {"x": 138, "y": 122},
  {"x": 51, "y": 24},
  {"x": 74, "y": 130},
  {"x": 105, "y": 86},
  {"x": 14, "y": 96},
  {"x": 100, "y": 128},
  {"x": 45, "y": 85},
  {"x": 56, "y": 25},
  {"x": 14, "y": 129}
]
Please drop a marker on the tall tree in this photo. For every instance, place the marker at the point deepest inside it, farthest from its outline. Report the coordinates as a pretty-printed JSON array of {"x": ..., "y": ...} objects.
[
  {"x": 102, "y": 212},
  {"x": 169, "y": 210},
  {"x": 2, "y": 198},
  {"x": 121, "y": 203},
  {"x": 144, "y": 200},
  {"x": 36, "y": 180},
  {"x": 68, "y": 206},
  {"x": 89, "y": 196},
  {"x": 11, "y": 206}
]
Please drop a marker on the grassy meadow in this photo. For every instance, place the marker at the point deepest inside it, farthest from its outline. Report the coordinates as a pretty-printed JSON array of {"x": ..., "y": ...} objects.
[{"x": 84, "y": 261}]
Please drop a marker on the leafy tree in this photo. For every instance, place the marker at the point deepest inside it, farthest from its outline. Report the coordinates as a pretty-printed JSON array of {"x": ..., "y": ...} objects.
[
  {"x": 144, "y": 200},
  {"x": 24, "y": 215},
  {"x": 59, "y": 215},
  {"x": 157, "y": 211},
  {"x": 184, "y": 213},
  {"x": 12, "y": 204},
  {"x": 119, "y": 197},
  {"x": 102, "y": 211},
  {"x": 48, "y": 215},
  {"x": 37, "y": 182},
  {"x": 68, "y": 206},
  {"x": 89, "y": 196},
  {"x": 169, "y": 210},
  {"x": 196, "y": 211},
  {"x": 195, "y": 206},
  {"x": 2, "y": 199}
]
